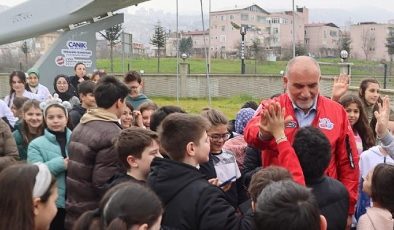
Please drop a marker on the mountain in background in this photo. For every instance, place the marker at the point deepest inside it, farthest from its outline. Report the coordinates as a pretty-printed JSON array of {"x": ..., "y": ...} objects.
[{"x": 141, "y": 23}]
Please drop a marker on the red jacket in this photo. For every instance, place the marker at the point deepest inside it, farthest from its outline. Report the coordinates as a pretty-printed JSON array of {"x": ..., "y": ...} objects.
[{"x": 332, "y": 120}]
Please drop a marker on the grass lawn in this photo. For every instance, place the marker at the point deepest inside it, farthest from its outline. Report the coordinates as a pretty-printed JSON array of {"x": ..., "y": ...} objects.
[
  {"x": 229, "y": 106},
  {"x": 227, "y": 66}
]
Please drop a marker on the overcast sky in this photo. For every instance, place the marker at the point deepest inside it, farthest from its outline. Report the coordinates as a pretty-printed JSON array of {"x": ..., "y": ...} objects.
[{"x": 193, "y": 6}]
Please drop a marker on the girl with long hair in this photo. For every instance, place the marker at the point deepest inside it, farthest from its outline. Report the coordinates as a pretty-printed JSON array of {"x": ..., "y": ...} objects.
[
  {"x": 18, "y": 88},
  {"x": 30, "y": 127},
  {"x": 27, "y": 197}
]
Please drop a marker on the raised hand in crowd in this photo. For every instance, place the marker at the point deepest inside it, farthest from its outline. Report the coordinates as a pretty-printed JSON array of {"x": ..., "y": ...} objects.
[
  {"x": 340, "y": 86},
  {"x": 382, "y": 117}
]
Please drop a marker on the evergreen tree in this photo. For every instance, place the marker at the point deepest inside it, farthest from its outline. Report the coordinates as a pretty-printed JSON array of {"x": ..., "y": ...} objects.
[
  {"x": 186, "y": 46},
  {"x": 159, "y": 40}
]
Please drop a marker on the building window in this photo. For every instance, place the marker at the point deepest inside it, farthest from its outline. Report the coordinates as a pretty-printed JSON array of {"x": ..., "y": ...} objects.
[
  {"x": 223, "y": 28},
  {"x": 261, "y": 19},
  {"x": 231, "y": 17},
  {"x": 275, "y": 31},
  {"x": 333, "y": 33},
  {"x": 244, "y": 17},
  {"x": 223, "y": 17}
]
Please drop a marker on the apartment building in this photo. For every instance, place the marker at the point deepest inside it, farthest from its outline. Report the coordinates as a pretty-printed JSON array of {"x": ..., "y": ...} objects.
[
  {"x": 274, "y": 30},
  {"x": 322, "y": 39},
  {"x": 369, "y": 40}
]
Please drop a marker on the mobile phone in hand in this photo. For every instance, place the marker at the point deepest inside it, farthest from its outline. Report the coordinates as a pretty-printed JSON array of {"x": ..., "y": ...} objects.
[{"x": 227, "y": 182}]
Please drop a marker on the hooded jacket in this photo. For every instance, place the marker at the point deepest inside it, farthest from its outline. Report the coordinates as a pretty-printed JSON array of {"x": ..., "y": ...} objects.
[
  {"x": 376, "y": 219},
  {"x": 190, "y": 201},
  {"x": 92, "y": 162}
]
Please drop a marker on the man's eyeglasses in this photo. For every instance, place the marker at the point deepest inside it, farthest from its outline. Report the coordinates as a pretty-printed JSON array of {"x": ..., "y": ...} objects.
[{"x": 218, "y": 137}]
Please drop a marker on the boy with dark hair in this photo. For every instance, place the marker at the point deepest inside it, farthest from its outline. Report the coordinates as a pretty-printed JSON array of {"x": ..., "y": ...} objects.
[
  {"x": 133, "y": 80},
  {"x": 264, "y": 177},
  {"x": 314, "y": 153},
  {"x": 93, "y": 159},
  {"x": 136, "y": 148},
  {"x": 191, "y": 201},
  {"x": 285, "y": 205},
  {"x": 85, "y": 92},
  {"x": 158, "y": 116}
]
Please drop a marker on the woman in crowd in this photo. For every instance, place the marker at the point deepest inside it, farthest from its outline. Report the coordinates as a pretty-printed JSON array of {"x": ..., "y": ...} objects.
[
  {"x": 18, "y": 88},
  {"x": 126, "y": 206},
  {"x": 65, "y": 90},
  {"x": 27, "y": 197},
  {"x": 80, "y": 75},
  {"x": 51, "y": 149},
  {"x": 31, "y": 127}
]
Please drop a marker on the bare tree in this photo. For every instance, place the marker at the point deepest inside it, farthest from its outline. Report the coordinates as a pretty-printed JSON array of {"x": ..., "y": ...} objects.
[
  {"x": 368, "y": 43},
  {"x": 112, "y": 35}
]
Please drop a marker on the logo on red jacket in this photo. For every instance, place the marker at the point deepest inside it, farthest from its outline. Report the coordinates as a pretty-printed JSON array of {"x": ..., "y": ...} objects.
[
  {"x": 291, "y": 124},
  {"x": 325, "y": 123}
]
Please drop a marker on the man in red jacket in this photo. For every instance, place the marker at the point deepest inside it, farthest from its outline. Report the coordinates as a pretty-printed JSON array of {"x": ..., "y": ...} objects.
[{"x": 305, "y": 106}]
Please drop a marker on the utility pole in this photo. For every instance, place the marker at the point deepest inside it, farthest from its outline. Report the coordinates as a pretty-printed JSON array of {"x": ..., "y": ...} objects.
[
  {"x": 293, "y": 30},
  {"x": 243, "y": 32}
]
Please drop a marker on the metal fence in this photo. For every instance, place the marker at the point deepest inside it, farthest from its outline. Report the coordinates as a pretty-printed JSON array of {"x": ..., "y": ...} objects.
[{"x": 220, "y": 85}]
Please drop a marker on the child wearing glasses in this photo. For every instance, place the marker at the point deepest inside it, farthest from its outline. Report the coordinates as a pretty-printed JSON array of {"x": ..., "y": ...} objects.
[{"x": 222, "y": 164}]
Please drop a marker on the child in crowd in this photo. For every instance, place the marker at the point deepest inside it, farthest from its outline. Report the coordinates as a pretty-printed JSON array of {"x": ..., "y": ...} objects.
[
  {"x": 264, "y": 177},
  {"x": 7, "y": 115},
  {"x": 158, "y": 116},
  {"x": 124, "y": 207},
  {"x": 314, "y": 153},
  {"x": 285, "y": 205},
  {"x": 221, "y": 164},
  {"x": 51, "y": 149},
  {"x": 93, "y": 159},
  {"x": 27, "y": 197},
  {"x": 134, "y": 81},
  {"x": 34, "y": 86},
  {"x": 146, "y": 109},
  {"x": 127, "y": 118},
  {"x": 32, "y": 126},
  {"x": 372, "y": 155},
  {"x": 136, "y": 148},
  {"x": 16, "y": 107},
  {"x": 97, "y": 75},
  {"x": 379, "y": 185},
  {"x": 358, "y": 120},
  {"x": 191, "y": 201},
  {"x": 85, "y": 91},
  {"x": 18, "y": 88},
  {"x": 237, "y": 144}
]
